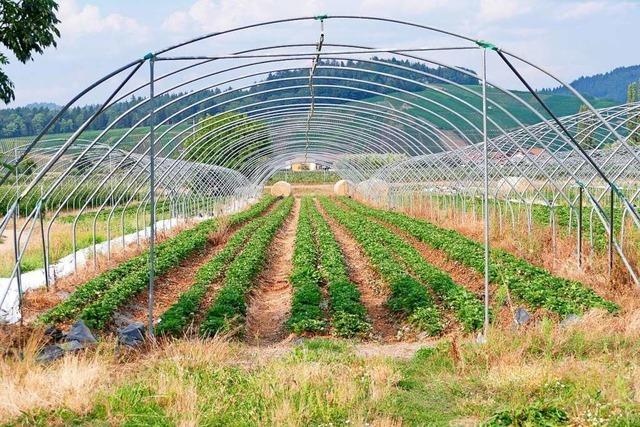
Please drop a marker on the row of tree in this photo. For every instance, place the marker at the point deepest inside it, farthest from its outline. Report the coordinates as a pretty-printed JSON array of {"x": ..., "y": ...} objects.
[
  {"x": 611, "y": 85},
  {"x": 228, "y": 139},
  {"x": 30, "y": 120},
  {"x": 633, "y": 95}
]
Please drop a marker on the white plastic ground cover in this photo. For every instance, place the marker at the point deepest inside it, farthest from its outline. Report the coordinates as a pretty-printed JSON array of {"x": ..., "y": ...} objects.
[{"x": 9, "y": 310}]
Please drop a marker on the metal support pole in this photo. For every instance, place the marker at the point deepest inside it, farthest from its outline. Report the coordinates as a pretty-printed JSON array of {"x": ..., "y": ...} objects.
[
  {"x": 552, "y": 220},
  {"x": 95, "y": 251},
  {"x": 580, "y": 227},
  {"x": 152, "y": 192},
  {"x": 16, "y": 252},
  {"x": 138, "y": 227},
  {"x": 44, "y": 247},
  {"x": 486, "y": 194},
  {"x": 611, "y": 230}
]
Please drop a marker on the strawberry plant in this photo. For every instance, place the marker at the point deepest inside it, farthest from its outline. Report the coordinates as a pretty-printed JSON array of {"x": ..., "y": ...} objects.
[
  {"x": 348, "y": 315},
  {"x": 407, "y": 294},
  {"x": 119, "y": 284},
  {"x": 467, "y": 308},
  {"x": 306, "y": 314},
  {"x": 230, "y": 307},
  {"x": 179, "y": 315},
  {"x": 533, "y": 285}
]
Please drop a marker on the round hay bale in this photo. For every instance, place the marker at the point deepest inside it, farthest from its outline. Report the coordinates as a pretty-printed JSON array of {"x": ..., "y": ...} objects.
[
  {"x": 281, "y": 188},
  {"x": 343, "y": 187}
]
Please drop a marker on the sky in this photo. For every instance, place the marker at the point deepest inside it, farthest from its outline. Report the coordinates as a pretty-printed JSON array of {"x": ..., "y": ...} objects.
[{"x": 568, "y": 37}]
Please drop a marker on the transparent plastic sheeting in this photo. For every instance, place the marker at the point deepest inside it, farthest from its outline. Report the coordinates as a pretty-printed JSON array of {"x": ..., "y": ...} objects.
[{"x": 221, "y": 113}]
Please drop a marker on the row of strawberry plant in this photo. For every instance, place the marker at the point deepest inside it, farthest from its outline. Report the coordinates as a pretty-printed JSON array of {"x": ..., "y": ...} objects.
[
  {"x": 175, "y": 320},
  {"x": 348, "y": 315},
  {"x": 306, "y": 314},
  {"x": 533, "y": 285},
  {"x": 230, "y": 307},
  {"x": 95, "y": 288},
  {"x": 465, "y": 305},
  {"x": 98, "y": 287},
  {"x": 97, "y": 314},
  {"x": 408, "y": 296}
]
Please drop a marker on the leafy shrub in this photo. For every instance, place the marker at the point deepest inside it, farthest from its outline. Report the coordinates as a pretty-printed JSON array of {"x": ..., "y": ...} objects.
[
  {"x": 349, "y": 325},
  {"x": 426, "y": 319},
  {"x": 532, "y": 415},
  {"x": 407, "y": 295}
]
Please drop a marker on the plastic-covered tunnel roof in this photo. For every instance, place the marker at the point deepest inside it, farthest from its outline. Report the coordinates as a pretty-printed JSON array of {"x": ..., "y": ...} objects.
[{"x": 222, "y": 118}]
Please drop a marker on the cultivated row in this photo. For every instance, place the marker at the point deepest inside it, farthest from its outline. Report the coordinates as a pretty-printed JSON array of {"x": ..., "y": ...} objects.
[
  {"x": 318, "y": 262},
  {"x": 533, "y": 285},
  {"x": 97, "y": 300}
]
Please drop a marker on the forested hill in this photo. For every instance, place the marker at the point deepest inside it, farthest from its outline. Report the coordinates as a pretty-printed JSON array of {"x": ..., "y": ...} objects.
[
  {"x": 612, "y": 85},
  {"x": 393, "y": 67},
  {"x": 31, "y": 119}
]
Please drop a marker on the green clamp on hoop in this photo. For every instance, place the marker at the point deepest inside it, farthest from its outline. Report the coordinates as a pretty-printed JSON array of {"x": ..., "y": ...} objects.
[
  {"x": 616, "y": 190},
  {"x": 486, "y": 45},
  {"x": 321, "y": 17},
  {"x": 148, "y": 56}
]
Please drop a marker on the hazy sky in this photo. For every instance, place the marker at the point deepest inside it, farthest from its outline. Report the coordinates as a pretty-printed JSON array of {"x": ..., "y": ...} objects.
[{"x": 571, "y": 38}]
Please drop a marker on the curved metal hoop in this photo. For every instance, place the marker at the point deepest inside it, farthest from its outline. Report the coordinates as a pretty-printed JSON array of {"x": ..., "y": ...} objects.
[{"x": 204, "y": 131}]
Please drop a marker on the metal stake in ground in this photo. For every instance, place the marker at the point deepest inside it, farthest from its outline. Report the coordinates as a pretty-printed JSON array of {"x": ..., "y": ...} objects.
[{"x": 486, "y": 194}]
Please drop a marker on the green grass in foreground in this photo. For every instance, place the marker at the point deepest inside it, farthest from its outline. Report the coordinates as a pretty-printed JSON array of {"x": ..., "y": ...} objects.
[{"x": 586, "y": 374}]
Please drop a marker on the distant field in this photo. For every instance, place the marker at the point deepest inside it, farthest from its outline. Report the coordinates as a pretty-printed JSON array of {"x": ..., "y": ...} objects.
[
  {"x": 110, "y": 138},
  {"x": 304, "y": 177}
]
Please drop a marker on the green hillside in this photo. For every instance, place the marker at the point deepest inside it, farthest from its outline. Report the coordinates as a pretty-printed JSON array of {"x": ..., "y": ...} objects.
[
  {"x": 441, "y": 100},
  {"x": 111, "y": 137},
  {"x": 610, "y": 85},
  {"x": 437, "y": 105}
]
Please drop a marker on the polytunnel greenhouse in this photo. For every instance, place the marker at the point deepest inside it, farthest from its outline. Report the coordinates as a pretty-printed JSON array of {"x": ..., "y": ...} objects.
[{"x": 198, "y": 129}]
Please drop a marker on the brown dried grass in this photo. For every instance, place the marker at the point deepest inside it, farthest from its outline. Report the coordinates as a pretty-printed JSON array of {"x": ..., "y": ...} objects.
[{"x": 72, "y": 382}]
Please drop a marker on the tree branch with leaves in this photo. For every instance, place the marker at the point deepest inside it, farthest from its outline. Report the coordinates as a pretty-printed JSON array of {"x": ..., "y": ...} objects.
[{"x": 26, "y": 27}]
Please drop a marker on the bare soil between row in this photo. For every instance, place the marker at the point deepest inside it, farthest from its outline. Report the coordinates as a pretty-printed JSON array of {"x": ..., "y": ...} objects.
[
  {"x": 374, "y": 291},
  {"x": 270, "y": 301}
]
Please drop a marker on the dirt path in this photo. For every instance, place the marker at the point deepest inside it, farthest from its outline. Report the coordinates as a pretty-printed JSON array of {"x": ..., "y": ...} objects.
[
  {"x": 270, "y": 302},
  {"x": 298, "y": 190},
  {"x": 374, "y": 291}
]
